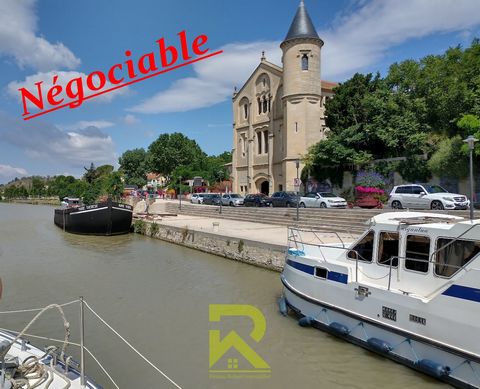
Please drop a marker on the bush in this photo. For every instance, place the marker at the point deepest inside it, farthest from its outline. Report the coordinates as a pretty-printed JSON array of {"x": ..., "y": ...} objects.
[
  {"x": 370, "y": 179},
  {"x": 139, "y": 226}
]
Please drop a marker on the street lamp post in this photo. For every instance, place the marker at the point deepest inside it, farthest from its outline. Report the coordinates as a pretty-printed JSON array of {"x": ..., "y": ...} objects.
[
  {"x": 180, "y": 193},
  {"x": 220, "y": 175},
  {"x": 297, "y": 165},
  {"x": 471, "y": 144}
]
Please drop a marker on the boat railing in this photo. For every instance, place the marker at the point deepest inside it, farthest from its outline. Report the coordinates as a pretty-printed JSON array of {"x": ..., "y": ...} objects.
[
  {"x": 68, "y": 361},
  {"x": 298, "y": 243},
  {"x": 297, "y": 236}
]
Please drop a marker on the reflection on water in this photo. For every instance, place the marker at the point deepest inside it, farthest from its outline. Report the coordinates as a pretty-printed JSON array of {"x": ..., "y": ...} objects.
[
  {"x": 107, "y": 244},
  {"x": 157, "y": 295}
]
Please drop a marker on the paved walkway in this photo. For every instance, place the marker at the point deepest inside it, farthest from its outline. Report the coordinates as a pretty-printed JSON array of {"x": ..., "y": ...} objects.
[{"x": 259, "y": 232}]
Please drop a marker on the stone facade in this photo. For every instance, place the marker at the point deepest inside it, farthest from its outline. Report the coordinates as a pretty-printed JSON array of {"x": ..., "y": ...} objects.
[{"x": 279, "y": 113}]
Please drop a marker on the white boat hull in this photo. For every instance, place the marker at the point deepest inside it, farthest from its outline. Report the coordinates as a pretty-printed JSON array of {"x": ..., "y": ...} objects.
[{"x": 449, "y": 365}]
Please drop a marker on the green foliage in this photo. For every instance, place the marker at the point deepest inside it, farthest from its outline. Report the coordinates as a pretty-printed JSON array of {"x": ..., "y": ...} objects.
[
  {"x": 113, "y": 185},
  {"x": 154, "y": 228},
  {"x": 419, "y": 109},
  {"x": 139, "y": 226},
  {"x": 241, "y": 246},
  {"x": 172, "y": 150},
  {"x": 450, "y": 159},
  {"x": 90, "y": 174},
  {"x": 133, "y": 164}
]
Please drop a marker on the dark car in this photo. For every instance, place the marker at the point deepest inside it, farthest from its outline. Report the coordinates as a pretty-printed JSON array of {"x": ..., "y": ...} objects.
[
  {"x": 256, "y": 200},
  {"x": 212, "y": 199},
  {"x": 284, "y": 199}
]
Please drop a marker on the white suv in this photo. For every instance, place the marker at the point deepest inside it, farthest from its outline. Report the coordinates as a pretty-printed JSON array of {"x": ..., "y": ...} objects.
[{"x": 423, "y": 196}]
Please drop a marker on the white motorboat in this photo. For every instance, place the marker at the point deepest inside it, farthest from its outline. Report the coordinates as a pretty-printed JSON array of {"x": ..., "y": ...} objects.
[
  {"x": 408, "y": 289},
  {"x": 23, "y": 366}
]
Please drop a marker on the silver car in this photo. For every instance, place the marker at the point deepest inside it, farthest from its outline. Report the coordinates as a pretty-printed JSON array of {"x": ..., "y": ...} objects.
[
  {"x": 322, "y": 200},
  {"x": 232, "y": 199},
  {"x": 197, "y": 198}
]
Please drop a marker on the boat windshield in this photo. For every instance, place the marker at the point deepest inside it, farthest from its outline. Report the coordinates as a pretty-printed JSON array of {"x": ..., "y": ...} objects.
[
  {"x": 435, "y": 189},
  {"x": 326, "y": 194}
]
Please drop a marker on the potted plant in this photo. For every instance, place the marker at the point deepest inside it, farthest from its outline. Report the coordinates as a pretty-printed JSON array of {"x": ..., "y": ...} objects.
[{"x": 369, "y": 190}]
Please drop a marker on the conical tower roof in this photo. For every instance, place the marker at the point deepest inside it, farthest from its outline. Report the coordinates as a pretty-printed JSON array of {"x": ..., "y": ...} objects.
[{"x": 302, "y": 26}]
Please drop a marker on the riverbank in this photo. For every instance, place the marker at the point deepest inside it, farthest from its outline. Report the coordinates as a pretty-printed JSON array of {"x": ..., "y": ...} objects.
[
  {"x": 258, "y": 244},
  {"x": 40, "y": 201}
]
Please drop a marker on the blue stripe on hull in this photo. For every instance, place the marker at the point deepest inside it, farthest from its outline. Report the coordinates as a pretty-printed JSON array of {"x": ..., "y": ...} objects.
[
  {"x": 332, "y": 275},
  {"x": 463, "y": 292}
]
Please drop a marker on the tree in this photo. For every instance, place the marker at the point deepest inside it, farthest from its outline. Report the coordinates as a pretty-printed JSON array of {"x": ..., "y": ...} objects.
[
  {"x": 91, "y": 174},
  {"x": 172, "y": 150},
  {"x": 420, "y": 109},
  {"x": 114, "y": 185},
  {"x": 38, "y": 187},
  {"x": 133, "y": 164}
]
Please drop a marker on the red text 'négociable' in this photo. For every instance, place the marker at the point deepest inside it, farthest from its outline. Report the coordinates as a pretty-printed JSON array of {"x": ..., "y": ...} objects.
[{"x": 79, "y": 89}]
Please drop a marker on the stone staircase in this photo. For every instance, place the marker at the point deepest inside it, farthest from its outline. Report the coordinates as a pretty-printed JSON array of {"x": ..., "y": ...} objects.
[{"x": 338, "y": 220}]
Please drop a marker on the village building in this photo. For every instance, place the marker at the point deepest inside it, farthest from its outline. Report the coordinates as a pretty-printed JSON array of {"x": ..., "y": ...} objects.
[{"x": 279, "y": 113}]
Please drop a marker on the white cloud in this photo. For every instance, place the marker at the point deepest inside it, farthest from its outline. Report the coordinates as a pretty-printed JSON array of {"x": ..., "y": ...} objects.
[
  {"x": 10, "y": 171},
  {"x": 18, "y": 39},
  {"x": 362, "y": 38},
  {"x": 64, "y": 77},
  {"x": 130, "y": 119},
  {"x": 47, "y": 142},
  {"x": 359, "y": 38},
  {"x": 214, "y": 81},
  {"x": 82, "y": 124}
]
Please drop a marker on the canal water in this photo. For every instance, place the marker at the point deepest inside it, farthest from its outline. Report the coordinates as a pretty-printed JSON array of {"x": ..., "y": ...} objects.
[{"x": 157, "y": 295}]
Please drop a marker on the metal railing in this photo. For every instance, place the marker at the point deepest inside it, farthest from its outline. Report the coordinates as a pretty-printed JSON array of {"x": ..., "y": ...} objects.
[{"x": 295, "y": 237}]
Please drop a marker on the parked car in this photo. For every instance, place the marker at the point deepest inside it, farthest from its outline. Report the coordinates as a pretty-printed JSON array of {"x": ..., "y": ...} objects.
[
  {"x": 197, "y": 198},
  {"x": 212, "y": 199},
  {"x": 322, "y": 200},
  {"x": 232, "y": 199},
  {"x": 257, "y": 200},
  {"x": 284, "y": 199},
  {"x": 424, "y": 196}
]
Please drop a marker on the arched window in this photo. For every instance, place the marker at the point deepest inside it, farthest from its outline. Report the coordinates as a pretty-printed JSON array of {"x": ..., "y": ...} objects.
[
  {"x": 265, "y": 105},
  {"x": 259, "y": 106},
  {"x": 269, "y": 103},
  {"x": 245, "y": 110},
  {"x": 265, "y": 141},
  {"x": 259, "y": 142},
  {"x": 304, "y": 62}
]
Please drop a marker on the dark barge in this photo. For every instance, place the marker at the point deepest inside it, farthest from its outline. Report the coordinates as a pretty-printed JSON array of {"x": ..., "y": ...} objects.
[{"x": 104, "y": 218}]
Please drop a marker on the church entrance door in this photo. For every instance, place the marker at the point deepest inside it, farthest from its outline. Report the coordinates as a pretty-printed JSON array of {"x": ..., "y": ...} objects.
[{"x": 264, "y": 187}]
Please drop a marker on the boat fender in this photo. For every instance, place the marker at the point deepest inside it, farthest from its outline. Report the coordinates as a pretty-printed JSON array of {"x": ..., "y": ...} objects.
[
  {"x": 306, "y": 321},
  {"x": 296, "y": 252},
  {"x": 380, "y": 345},
  {"x": 339, "y": 328},
  {"x": 434, "y": 368},
  {"x": 282, "y": 306}
]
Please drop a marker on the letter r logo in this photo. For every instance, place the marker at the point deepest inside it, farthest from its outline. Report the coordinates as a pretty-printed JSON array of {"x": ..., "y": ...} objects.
[{"x": 218, "y": 347}]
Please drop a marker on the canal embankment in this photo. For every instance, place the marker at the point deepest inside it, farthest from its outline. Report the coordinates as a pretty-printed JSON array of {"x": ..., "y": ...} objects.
[{"x": 256, "y": 243}]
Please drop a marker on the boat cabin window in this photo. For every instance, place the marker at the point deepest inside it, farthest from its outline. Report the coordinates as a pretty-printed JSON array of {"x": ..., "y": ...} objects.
[
  {"x": 453, "y": 254},
  {"x": 388, "y": 248},
  {"x": 417, "y": 253},
  {"x": 363, "y": 249}
]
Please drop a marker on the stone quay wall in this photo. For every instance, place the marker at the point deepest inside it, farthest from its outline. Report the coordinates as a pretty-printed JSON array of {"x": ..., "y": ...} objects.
[{"x": 264, "y": 255}]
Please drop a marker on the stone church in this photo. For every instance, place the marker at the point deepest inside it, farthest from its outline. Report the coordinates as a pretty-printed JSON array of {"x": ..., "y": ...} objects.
[{"x": 279, "y": 113}]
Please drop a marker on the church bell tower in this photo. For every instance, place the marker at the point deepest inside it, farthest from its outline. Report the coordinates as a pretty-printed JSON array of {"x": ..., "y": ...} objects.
[{"x": 302, "y": 91}]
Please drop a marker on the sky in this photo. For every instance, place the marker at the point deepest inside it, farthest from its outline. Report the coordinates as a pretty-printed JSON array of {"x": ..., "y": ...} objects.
[{"x": 55, "y": 41}]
